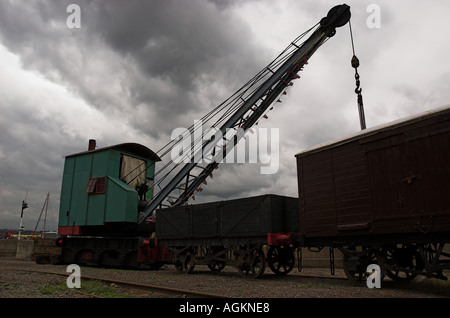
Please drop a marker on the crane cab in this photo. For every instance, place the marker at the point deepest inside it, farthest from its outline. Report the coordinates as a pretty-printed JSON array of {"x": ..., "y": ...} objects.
[{"x": 103, "y": 189}]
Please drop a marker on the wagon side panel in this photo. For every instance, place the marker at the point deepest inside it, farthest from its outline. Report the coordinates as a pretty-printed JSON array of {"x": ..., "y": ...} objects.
[
  {"x": 410, "y": 174},
  {"x": 334, "y": 192},
  {"x": 391, "y": 180}
]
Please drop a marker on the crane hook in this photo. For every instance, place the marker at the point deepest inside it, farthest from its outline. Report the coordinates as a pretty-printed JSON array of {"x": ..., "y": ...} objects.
[{"x": 358, "y": 90}]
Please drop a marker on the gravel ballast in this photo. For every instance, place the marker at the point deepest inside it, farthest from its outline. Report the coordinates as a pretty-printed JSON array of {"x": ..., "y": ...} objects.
[{"x": 15, "y": 283}]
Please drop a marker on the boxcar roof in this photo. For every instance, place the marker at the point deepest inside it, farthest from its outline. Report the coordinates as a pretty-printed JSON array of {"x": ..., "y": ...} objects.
[
  {"x": 131, "y": 148},
  {"x": 376, "y": 129}
]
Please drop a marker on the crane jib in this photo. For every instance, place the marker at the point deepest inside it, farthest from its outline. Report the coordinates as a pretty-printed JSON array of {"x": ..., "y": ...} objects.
[{"x": 265, "y": 94}]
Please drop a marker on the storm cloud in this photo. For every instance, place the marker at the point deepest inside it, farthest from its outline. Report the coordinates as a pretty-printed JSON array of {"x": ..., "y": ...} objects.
[{"x": 136, "y": 70}]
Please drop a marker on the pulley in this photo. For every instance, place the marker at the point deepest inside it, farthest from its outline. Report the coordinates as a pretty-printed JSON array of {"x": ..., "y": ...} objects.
[{"x": 336, "y": 17}]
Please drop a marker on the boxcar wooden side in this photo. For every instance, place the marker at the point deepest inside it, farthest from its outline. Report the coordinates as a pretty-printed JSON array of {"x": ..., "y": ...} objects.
[{"x": 393, "y": 179}]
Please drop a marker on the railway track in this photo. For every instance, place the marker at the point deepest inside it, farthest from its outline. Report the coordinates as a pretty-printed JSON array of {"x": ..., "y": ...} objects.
[
  {"x": 308, "y": 283},
  {"x": 133, "y": 285}
]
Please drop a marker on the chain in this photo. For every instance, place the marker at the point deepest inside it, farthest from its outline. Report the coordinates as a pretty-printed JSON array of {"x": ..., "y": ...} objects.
[{"x": 358, "y": 90}]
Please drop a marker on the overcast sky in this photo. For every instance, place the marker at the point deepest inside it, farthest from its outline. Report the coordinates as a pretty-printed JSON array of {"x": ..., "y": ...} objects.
[{"x": 136, "y": 70}]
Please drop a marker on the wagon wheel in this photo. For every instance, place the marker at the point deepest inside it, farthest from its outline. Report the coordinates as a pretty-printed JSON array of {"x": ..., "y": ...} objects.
[
  {"x": 281, "y": 259},
  {"x": 185, "y": 262},
  {"x": 251, "y": 262},
  {"x": 216, "y": 266},
  {"x": 400, "y": 261},
  {"x": 356, "y": 261},
  {"x": 217, "y": 258}
]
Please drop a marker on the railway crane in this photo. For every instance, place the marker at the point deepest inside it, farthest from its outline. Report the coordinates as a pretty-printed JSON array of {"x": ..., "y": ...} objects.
[
  {"x": 100, "y": 219},
  {"x": 242, "y": 110},
  {"x": 379, "y": 196}
]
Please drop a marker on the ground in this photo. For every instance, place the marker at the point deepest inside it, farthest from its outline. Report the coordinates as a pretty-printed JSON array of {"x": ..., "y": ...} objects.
[{"x": 15, "y": 283}]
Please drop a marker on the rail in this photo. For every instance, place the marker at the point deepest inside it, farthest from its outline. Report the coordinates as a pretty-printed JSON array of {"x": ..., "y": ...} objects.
[{"x": 156, "y": 288}]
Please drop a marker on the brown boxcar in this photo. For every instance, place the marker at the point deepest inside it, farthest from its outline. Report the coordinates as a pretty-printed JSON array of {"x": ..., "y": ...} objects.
[
  {"x": 391, "y": 179},
  {"x": 381, "y": 196}
]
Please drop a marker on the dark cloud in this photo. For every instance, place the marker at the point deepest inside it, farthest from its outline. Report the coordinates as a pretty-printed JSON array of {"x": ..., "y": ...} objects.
[
  {"x": 133, "y": 56},
  {"x": 136, "y": 70},
  {"x": 152, "y": 65}
]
